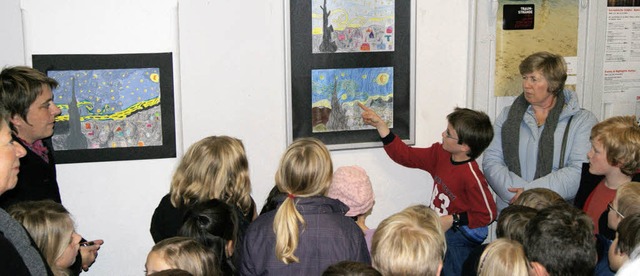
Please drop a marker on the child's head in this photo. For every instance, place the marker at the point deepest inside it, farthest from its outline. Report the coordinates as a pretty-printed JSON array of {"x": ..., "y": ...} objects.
[
  {"x": 538, "y": 198},
  {"x": 182, "y": 253},
  {"x": 625, "y": 203},
  {"x": 214, "y": 167},
  {"x": 352, "y": 186},
  {"x": 513, "y": 220},
  {"x": 410, "y": 242},
  {"x": 627, "y": 239},
  {"x": 560, "y": 240},
  {"x": 473, "y": 129},
  {"x": 52, "y": 229},
  {"x": 305, "y": 170},
  {"x": 213, "y": 224},
  {"x": 350, "y": 268},
  {"x": 503, "y": 257},
  {"x": 617, "y": 140}
]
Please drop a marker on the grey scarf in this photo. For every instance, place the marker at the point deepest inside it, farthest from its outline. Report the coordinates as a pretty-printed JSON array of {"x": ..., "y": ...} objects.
[
  {"x": 18, "y": 236},
  {"x": 511, "y": 136}
]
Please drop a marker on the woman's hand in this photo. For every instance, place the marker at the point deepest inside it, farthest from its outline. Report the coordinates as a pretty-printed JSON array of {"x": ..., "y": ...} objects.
[{"x": 518, "y": 191}]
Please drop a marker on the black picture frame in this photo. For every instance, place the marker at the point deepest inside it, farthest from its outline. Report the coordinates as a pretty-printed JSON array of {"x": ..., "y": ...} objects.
[
  {"x": 160, "y": 61},
  {"x": 301, "y": 61}
]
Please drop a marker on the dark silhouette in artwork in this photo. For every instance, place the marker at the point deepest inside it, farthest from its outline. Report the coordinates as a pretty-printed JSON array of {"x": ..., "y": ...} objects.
[
  {"x": 327, "y": 46},
  {"x": 76, "y": 139},
  {"x": 337, "y": 117}
]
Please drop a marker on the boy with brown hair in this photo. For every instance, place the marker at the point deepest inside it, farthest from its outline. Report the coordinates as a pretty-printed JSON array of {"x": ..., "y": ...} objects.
[{"x": 461, "y": 195}]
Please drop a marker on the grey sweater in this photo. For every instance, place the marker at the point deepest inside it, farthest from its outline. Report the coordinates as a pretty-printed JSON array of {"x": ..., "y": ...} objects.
[{"x": 18, "y": 236}]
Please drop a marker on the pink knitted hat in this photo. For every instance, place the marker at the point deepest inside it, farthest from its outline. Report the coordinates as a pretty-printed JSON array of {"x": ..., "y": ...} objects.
[{"x": 351, "y": 185}]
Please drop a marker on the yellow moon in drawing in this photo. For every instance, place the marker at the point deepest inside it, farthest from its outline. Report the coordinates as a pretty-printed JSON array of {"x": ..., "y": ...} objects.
[
  {"x": 154, "y": 77},
  {"x": 382, "y": 78}
]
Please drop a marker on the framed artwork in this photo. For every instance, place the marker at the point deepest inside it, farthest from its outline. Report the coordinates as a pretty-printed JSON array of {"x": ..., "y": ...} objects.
[
  {"x": 113, "y": 107},
  {"x": 344, "y": 52}
]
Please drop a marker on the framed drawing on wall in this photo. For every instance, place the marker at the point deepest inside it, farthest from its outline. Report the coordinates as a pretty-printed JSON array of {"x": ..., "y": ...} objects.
[
  {"x": 344, "y": 52},
  {"x": 113, "y": 107}
]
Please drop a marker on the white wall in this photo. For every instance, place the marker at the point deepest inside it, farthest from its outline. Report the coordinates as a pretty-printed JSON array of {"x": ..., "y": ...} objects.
[{"x": 230, "y": 75}]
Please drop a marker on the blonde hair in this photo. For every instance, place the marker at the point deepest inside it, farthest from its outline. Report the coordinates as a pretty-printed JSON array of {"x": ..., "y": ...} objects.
[
  {"x": 620, "y": 138},
  {"x": 503, "y": 257},
  {"x": 538, "y": 198},
  {"x": 215, "y": 167},
  {"x": 187, "y": 254},
  {"x": 50, "y": 226},
  {"x": 305, "y": 170},
  {"x": 410, "y": 242},
  {"x": 628, "y": 196}
]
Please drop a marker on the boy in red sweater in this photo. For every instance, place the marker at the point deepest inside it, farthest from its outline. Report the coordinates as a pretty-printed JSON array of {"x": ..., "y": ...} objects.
[{"x": 461, "y": 195}]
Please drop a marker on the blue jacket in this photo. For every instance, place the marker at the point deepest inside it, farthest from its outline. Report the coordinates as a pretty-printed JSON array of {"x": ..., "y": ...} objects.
[
  {"x": 328, "y": 237},
  {"x": 564, "y": 181}
]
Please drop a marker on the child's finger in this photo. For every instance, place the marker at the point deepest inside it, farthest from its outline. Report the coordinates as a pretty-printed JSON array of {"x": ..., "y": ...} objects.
[{"x": 363, "y": 106}]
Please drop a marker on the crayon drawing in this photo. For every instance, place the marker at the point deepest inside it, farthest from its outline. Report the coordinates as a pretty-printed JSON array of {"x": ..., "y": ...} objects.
[
  {"x": 110, "y": 108},
  {"x": 336, "y": 92},
  {"x": 353, "y": 26}
]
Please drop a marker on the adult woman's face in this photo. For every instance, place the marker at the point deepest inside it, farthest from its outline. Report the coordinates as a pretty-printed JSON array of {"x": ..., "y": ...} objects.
[
  {"x": 536, "y": 89},
  {"x": 10, "y": 154}
]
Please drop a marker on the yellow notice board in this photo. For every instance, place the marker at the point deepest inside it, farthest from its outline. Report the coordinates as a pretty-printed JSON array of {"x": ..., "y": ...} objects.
[{"x": 526, "y": 27}]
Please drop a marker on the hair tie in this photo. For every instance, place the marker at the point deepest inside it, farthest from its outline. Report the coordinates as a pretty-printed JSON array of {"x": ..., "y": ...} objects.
[{"x": 291, "y": 196}]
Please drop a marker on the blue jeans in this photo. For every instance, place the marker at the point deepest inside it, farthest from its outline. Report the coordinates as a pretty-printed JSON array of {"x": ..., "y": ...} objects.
[{"x": 458, "y": 249}]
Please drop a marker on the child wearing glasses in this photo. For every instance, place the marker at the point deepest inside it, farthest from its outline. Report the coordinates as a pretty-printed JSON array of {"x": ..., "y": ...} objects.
[
  {"x": 626, "y": 247},
  {"x": 614, "y": 159},
  {"x": 461, "y": 195},
  {"x": 625, "y": 204}
]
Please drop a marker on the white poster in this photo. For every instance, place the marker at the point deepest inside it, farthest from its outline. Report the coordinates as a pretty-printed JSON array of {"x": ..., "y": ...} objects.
[{"x": 622, "y": 61}]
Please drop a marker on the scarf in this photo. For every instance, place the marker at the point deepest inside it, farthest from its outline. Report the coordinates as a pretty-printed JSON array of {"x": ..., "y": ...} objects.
[
  {"x": 511, "y": 136},
  {"x": 18, "y": 236},
  {"x": 38, "y": 148}
]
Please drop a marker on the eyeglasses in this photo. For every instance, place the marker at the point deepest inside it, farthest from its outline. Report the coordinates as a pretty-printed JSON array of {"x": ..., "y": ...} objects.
[
  {"x": 448, "y": 135},
  {"x": 610, "y": 207}
]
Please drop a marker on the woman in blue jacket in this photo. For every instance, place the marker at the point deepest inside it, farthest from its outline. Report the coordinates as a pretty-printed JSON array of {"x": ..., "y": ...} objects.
[{"x": 542, "y": 139}]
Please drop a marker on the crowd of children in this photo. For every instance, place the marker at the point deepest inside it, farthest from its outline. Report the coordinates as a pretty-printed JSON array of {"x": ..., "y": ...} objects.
[{"x": 314, "y": 219}]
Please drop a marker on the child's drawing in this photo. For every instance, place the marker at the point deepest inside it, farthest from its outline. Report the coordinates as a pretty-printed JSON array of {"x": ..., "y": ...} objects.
[
  {"x": 111, "y": 108},
  {"x": 353, "y": 25},
  {"x": 335, "y": 93}
]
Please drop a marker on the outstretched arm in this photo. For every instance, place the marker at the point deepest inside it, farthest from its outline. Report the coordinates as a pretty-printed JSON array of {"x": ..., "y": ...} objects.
[{"x": 371, "y": 118}]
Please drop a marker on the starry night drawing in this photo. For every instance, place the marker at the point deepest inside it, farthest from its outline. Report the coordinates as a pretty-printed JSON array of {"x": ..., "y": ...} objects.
[
  {"x": 108, "y": 108},
  {"x": 336, "y": 92}
]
